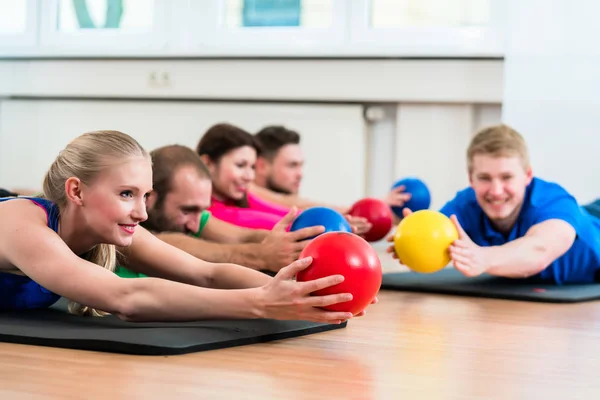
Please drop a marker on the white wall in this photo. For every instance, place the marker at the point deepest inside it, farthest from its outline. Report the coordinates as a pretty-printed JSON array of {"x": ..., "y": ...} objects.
[
  {"x": 430, "y": 110},
  {"x": 447, "y": 81},
  {"x": 34, "y": 131},
  {"x": 552, "y": 88},
  {"x": 431, "y": 142}
]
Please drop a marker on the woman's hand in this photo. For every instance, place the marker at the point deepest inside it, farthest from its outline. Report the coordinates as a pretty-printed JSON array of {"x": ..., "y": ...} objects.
[{"x": 286, "y": 299}]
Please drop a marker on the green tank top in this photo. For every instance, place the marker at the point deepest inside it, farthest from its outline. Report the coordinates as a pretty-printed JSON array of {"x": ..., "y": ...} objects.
[{"x": 127, "y": 273}]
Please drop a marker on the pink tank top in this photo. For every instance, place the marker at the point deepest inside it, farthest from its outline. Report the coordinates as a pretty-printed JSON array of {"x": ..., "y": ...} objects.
[{"x": 260, "y": 214}]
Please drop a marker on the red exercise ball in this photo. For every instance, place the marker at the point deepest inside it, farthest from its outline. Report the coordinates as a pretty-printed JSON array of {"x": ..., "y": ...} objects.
[
  {"x": 378, "y": 213},
  {"x": 349, "y": 255}
]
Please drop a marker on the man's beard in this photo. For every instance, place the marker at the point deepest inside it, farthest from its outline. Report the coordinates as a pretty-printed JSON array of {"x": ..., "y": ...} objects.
[
  {"x": 158, "y": 222},
  {"x": 275, "y": 188}
]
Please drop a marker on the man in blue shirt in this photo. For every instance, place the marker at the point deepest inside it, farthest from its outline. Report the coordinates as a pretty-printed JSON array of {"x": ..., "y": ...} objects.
[{"x": 515, "y": 225}]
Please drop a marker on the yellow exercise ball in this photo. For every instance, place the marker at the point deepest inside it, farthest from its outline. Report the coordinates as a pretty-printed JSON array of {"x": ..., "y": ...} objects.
[{"x": 422, "y": 240}]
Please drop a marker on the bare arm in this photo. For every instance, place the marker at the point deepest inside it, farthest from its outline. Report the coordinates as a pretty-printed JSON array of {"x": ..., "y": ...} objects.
[
  {"x": 220, "y": 231},
  {"x": 26, "y": 242},
  {"x": 278, "y": 249},
  {"x": 246, "y": 254},
  {"x": 520, "y": 258},
  {"x": 531, "y": 254},
  {"x": 152, "y": 256},
  {"x": 40, "y": 253}
]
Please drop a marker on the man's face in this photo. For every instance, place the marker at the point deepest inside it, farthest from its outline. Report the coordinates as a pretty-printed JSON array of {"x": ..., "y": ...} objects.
[
  {"x": 182, "y": 207},
  {"x": 499, "y": 184},
  {"x": 285, "y": 171}
]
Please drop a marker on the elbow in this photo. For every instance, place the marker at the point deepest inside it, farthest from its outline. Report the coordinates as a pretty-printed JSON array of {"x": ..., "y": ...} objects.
[
  {"x": 210, "y": 277},
  {"x": 127, "y": 304},
  {"x": 537, "y": 268},
  {"x": 544, "y": 256},
  {"x": 127, "y": 310}
]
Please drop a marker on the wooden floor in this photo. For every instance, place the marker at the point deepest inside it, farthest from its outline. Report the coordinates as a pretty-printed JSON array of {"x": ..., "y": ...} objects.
[{"x": 409, "y": 346}]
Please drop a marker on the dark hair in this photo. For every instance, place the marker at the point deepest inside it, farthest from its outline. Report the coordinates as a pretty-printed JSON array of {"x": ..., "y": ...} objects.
[
  {"x": 166, "y": 161},
  {"x": 220, "y": 139},
  {"x": 272, "y": 138}
]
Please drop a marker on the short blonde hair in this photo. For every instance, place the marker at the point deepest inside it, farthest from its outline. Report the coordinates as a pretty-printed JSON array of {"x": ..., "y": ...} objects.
[
  {"x": 498, "y": 141},
  {"x": 85, "y": 157}
]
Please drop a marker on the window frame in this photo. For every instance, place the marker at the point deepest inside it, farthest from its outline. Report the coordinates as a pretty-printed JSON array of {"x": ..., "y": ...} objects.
[
  {"x": 102, "y": 41},
  {"x": 211, "y": 36},
  {"x": 425, "y": 41},
  {"x": 28, "y": 38}
]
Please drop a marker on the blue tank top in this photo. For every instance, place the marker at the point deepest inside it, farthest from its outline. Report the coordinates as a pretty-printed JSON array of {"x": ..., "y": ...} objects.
[{"x": 19, "y": 292}]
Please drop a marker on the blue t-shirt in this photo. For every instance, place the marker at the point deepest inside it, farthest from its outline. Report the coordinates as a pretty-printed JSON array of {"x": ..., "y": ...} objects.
[
  {"x": 18, "y": 292},
  {"x": 543, "y": 201}
]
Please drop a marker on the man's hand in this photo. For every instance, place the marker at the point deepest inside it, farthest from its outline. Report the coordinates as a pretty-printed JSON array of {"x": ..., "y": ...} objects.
[
  {"x": 280, "y": 248},
  {"x": 397, "y": 197},
  {"x": 359, "y": 225},
  {"x": 468, "y": 257},
  {"x": 405, "y": 213}
]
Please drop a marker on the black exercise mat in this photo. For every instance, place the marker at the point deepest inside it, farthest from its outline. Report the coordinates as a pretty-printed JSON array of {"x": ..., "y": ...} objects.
[
  {"x": 7, "y": 193},
  {"x": 54, "y": 327},
  {"x": 451, "y": 281}
]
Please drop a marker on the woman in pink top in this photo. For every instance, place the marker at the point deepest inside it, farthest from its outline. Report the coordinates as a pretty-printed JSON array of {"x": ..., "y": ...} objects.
[{"x": 230, "y": 155}]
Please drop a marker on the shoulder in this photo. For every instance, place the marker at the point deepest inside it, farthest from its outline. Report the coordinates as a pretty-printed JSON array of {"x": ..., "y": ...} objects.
[
  {"x": 549, "y": 200},
  {"x": 542, "y": 192},
  {"x": 463, "y": 200},
  {"x": 26, "y": 204},
  {"x": 216, "y": 204},
  {"x": 545, "y": 195},
  {"x": 19, "y": 214},
  {"x": 466, "y": 195}
]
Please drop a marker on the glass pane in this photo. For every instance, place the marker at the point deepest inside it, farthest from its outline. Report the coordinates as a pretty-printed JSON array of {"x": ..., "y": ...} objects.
[
  {"x": 430, "y": 13},
  {"x": 273, "y": 13},
  {"x": 13, "y": 16},
  {"x": 131, "y": 15}
]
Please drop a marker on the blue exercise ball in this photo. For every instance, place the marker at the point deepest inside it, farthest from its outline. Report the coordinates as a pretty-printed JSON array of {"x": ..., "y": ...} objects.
[
  {"x": 420, "y": 196},
  {"x": 332, "y": 220}
]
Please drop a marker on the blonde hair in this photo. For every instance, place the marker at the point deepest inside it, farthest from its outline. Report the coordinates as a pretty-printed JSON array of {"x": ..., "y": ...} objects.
[
  {"x": 498, "y": 141},
  {"x": 85, "y": 157}
]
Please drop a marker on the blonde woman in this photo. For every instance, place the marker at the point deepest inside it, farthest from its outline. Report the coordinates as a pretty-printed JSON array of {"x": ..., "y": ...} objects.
[{"x": 66, "y": 244}]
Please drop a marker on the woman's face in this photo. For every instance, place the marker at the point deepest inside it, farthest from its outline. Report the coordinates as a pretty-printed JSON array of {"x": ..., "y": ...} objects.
[
  {"x": 233, "y": 173},
  {"x": 115, "y": 201}
]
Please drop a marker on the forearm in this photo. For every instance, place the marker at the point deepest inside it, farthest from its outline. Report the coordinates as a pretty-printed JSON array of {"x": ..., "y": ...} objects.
[
  {"x": 254, "y": 236},
  {"x": 233, "y": 276},
  {"x": 248, "y": 255},
  {"x": 519, "y": 258},
  {"x": 151, "y": 299}
]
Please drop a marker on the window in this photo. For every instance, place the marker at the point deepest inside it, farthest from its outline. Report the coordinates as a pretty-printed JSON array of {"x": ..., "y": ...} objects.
[
  {"x": 278, "y": 13},
  {"x": 130, "y": 15},
  {"x": 429, "y": 13},
  {"x": 429, "y": 27},
  {"x": 17, "y": 23},
  {"x": 13, "y": 18},
  {"x": 92, "y": 26},
  {"x": 269, "y": 27}
]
